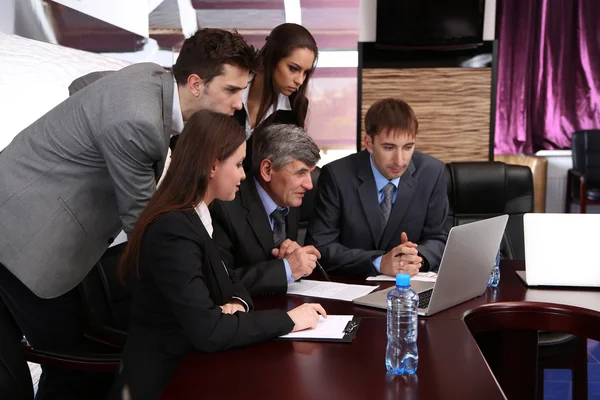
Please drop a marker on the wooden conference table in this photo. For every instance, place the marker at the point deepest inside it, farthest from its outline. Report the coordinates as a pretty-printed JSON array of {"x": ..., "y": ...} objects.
[{"x": 450, "y": 362}]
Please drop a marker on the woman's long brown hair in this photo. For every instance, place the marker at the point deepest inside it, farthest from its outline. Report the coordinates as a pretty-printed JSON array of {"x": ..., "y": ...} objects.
[
  {"x": 208, "y": 136},
  {"x": 281, "y": 42}
]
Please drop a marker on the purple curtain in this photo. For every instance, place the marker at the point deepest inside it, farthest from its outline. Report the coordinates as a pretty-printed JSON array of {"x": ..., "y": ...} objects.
[{"x": 548, "y": 73}]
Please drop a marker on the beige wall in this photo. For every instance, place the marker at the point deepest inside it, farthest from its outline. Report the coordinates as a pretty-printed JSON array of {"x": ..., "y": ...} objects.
[{"x": 452, "y": 105}]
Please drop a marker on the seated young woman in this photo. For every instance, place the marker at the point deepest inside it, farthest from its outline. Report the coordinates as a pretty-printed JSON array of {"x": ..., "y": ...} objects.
[{"x": 185, "y": 298}]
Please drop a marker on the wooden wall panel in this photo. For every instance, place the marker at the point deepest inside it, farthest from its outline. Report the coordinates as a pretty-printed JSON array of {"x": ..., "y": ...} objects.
[{"x": 451, "y": 104}]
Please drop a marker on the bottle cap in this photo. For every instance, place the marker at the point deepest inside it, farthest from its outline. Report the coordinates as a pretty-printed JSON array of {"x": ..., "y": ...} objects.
[{"x": 403, "y": 280}]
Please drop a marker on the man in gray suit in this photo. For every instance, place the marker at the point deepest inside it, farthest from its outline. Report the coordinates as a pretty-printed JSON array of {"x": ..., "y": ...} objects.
[
  {"x": 84, "y": 171},
  {"x": 370, "y": 204}
]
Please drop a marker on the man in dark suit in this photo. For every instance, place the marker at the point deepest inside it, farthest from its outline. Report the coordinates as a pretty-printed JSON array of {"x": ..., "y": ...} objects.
[
  {"x": 81, "y": 173},
  {"x": 257, "y": 230},
  {"x": 370, "y": 204}
]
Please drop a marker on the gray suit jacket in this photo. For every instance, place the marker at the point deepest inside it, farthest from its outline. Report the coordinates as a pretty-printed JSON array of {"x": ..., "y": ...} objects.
[
  {"x": 82, "y": 172},
  {"x": 346, "y": 225}
]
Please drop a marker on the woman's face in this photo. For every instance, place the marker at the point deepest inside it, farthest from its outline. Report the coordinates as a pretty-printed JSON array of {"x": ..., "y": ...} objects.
[
  {"x": 291, "y": 71},
  {"x": 227, "y": 175}
]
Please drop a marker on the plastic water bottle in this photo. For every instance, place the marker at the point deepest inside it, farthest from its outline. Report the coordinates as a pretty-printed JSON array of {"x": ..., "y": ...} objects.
[
  {"x": 401, "y": 356},
  {"x": 495, "y": 275}
]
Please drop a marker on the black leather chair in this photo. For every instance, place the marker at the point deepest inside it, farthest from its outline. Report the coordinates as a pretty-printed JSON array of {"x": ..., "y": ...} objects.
[
  {"x": 583, "y": 180},
  {"x": 106, "y": 302},
  {"x": 480, "y": 190},
  {"x": 307, "y": 207}
]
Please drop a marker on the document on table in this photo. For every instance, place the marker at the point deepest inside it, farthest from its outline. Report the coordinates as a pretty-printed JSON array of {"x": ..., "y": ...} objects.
[
  {"x": 329, "y": 290},
  {"x": 421, "y": 276},
  {"x": 332, "y": 327}
]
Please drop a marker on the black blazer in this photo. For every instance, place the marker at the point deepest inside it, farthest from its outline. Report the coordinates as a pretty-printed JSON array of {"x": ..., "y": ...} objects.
[
  {"x": 278, "y": 117},
  {"x": 346, "y": 225},
  {"x": 242, "y": 230},
  {"x": 175, "y": 308}
]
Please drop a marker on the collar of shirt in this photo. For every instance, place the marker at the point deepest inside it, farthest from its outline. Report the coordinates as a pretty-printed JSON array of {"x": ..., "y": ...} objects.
[
  {"x": 177, "y": 125},
  {"x": 381, "y": 181},
  {"x": 283, "y": 103},
  {"x": 268, "y": 202},
  {"x": 204, "y": 214}
]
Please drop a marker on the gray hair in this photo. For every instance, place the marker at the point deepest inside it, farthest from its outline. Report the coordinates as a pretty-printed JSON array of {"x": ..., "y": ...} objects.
[{"x": 283, "y": 143}]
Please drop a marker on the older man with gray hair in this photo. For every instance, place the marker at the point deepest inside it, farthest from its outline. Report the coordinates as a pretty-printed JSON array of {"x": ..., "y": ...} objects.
[{"x": 257, "y": 230}]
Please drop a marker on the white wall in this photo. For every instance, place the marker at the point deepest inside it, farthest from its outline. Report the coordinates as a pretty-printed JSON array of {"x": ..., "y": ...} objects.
[
  {"x": 35, "y": 76},
  {"x": 367, "y": 24}
]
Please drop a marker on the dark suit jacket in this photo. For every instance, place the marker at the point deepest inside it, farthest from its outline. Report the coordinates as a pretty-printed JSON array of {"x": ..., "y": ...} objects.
[
  {"x": 278, "y": 117},
  {"x": 175, "y": 308},
  {"x": 346, "y": 226},
  {"x": 242, "y": 230}
]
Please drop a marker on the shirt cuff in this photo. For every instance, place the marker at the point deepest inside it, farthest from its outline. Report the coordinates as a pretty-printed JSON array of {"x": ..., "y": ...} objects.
[
  {"x": 288, "y": 271},
  {"x": 377, "y": 264},
  {"x": 242, "y": 301}
]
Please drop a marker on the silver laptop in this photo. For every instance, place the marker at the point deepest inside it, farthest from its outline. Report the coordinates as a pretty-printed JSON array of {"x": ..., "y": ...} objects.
[
  {"x": 561, "y": 250},
  {"x": 464, "y": 271}
]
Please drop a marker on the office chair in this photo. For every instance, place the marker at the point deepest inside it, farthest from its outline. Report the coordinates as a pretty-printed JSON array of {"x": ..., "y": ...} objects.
[
  {"x": 106, "y": 304},
  {"x": 307, "y": 207},
  {"x": 585, "y": 174},
  {"x": 480, "y": 190},
  {"x": 507, "y": 335}
]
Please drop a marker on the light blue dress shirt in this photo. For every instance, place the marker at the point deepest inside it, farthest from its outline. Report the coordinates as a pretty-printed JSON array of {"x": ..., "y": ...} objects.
[
  {"x": 380, "y": 182},
  {"x": 270, "y": 206}
]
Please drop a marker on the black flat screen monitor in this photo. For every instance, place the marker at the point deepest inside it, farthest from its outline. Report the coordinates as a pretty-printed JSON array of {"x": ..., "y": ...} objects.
[{"x": 422, "y": 24}]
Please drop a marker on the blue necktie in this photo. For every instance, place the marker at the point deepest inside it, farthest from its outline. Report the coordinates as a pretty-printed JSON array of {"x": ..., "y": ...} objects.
[
  {"x": 278, "y": 227},
  {"x": 386, "y": 204}
]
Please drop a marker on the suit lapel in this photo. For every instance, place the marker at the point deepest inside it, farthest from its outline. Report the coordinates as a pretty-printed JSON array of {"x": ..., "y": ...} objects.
[
  {"x": 406, "y": 190},
  {"x": 167, "y": 96},
  {"x": 367, "y": 191},
  {"x": 222, "y": 287},
  {"x": 257, "y": 216}
]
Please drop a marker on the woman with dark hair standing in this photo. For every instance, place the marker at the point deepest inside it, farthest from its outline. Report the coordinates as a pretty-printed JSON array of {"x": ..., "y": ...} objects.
[
  {"x": 185, "y": 298},
  {"x": 277, "y": 92}
]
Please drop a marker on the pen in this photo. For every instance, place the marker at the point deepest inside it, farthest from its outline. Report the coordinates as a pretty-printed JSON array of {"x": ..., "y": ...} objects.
[{"x": 323, "y": 271}]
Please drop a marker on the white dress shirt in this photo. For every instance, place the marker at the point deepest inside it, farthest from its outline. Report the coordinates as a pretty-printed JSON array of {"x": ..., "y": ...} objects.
[
  {"x": 283, "y": 103},
  {"x": 176, "y": 127}
]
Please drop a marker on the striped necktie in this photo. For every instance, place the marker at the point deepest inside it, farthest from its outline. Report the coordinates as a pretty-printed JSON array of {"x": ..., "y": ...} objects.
[
  {"x": 278, "y": 227},
  {"x": 386, "y": 204}
]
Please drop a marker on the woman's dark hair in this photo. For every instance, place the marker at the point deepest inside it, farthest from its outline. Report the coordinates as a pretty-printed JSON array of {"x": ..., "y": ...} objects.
[
  {"x": 281, "y": 42},
  {"x": 207, "y": 136}
]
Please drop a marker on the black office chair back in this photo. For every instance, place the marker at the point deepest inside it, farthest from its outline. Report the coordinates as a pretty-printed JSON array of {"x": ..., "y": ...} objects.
[
  {"x": 106, "y": 299},
  {"x": 308, "y": 206},
  {"x": 585, "y": 151},
  {"x": 480, "y": 190}
]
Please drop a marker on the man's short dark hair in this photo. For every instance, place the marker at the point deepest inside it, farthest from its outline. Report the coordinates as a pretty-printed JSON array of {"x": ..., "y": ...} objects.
[
  {"x": 392, "y": 115},
  {"x": 207, "y": 50}
]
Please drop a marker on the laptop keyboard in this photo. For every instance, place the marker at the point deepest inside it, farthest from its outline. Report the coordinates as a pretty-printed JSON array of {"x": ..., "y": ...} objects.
[{"x": 425, "y": 298}]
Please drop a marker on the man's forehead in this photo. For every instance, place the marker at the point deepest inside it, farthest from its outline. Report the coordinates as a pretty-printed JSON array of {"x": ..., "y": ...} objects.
[
  {"x": 398, "y": 137},
  {"x": 233, "y": 72},
  {"x": 297, "y": 165}
]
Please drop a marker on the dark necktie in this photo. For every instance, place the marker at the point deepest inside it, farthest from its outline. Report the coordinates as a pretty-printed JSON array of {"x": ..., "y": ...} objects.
[
  {"x": 386, "y": 204},
  {"x": 278, "y": 227}
]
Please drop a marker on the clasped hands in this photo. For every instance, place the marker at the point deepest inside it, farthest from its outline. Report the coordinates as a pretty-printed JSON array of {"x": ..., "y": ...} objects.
[{"x": 402, "y": 259}]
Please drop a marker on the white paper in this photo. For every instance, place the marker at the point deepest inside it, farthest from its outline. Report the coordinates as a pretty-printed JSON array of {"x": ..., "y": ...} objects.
[
  {"x": 329, "y": 290},
  {"x": 421, "y": 276},
  {"x": 331, "y": 327}
]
